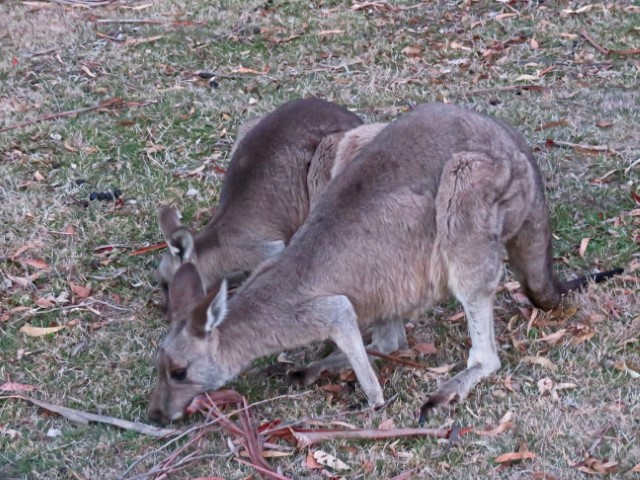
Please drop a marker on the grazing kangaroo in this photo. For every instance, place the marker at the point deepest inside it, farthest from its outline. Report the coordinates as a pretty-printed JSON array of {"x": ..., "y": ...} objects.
[
  {"x": 280, "y": 163},
  {"x": 425, "y": 209}
]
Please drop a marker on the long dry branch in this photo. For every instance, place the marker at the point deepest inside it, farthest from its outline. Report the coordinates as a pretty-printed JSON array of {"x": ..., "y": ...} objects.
[{"x": 114, "y": 103}]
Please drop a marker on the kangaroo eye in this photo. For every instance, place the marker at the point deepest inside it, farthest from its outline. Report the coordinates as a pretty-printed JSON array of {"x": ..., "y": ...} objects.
[{"x": 179, "y": 374}]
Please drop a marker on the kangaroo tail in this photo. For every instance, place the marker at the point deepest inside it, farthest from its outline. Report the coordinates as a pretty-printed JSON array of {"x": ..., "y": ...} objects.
[{"x": 577, "y": 284}]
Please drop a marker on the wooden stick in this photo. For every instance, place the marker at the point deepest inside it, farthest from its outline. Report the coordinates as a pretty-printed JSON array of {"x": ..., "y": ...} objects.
[
  {"x": 117, "y": 103},
  {"x": 595, "y": 44},
  {"x": 607, "y": 51},
  {"x": 391, "y": 358},
  {"x": 131, "y": 20},
  {"x": 86, "y": 417},
  {"x": 507, "y": 88},
  {"x": 311, "y": 437}
]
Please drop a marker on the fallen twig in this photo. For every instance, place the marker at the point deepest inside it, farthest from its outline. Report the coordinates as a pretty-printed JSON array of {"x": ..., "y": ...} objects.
[
  {"x": 607, "y": 51},
  {"x": 130, "y": 20},
  {"x": 86, "y": 417},
  {"x": 115, "y": 103},
  {"x": 391, "y": 358},
  {"x": 583, "y": 147},
  {"x": 149, "y": 248},
  {"x": 306, "y": 438},
  {"x": 532, "y": 87}
]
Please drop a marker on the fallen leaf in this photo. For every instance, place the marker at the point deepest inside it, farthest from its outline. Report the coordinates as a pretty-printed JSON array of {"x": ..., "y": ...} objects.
[
  {"x": 542, "y": 476},
  {"x": 17, "y": 387},
  {"x": 426, "y": 348},
  {"x": 442, "y": 369},
  {"x": 553, "y": 338},
  {"x": 526, "y": 78},
  {"x": 69, "y": 147},
  {"x": 20, "y": 251},
  {"x": 324, "y": 458},
  {"x": 150, "y": 248},
  {"x": 312, "y": 463},
  {"x": 36, "y": 263},
  {"x": 534, "y": 44},
  {"x": 79, "y": 290},
  {"x": 242, "y": 69},
  {"x": 503, "y": 425},
  {"x": 86, "y": 70},
  {"x": 558, "y": 123},
  {"x": 332, "y": 388},
  {"x": 510, "y": 457},
  {"x": 542, "y": 361},
  {"x": 636, "y": 469},
  {"x": 412, "y": 51},
  {"x": 69, "y": 230},
  {"x": 457, "y": 316},
  {"x": 545, "y": 385},
  {"x": 24, "y": 281},
  {"x": 622, "y": 366},
  {"x": 44, "y": 302},
  {"x": 584, "y": 243},
  {"x": 32, "y": 331},
  {"x": 604, "y": 124},
  {"x": 387, "y": 424},
  {"x": 138, "y": 41},
  {"x": 38, "y": 177}
]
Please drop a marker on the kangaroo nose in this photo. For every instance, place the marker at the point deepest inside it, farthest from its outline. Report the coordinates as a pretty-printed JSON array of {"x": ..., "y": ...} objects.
[{"x": 156, "y": 416}]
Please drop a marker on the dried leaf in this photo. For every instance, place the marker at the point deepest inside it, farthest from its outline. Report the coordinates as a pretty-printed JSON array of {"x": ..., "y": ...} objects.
[
  {"x": 622, "y": 366},
  {"x": 17, "y": 387},
  {"x": 38, "y": 177},
  {"x": 553, "y": 338},
  {"x": 558, "y": 123},
  {"x": 387, "y": 424},
  {"x": 442, "y": 369},
  {"x": 242, "y": 69},
  {"x": 86, "y": 70},
  {"x": 584, "y": 243},
  {"x": 425, "y": 348},
  {"x": 510, "y": 457},
  {"x": 80, "y": 291},
  {"x": 324, "y": 458},
  {"x": 24, "y": 281},
  {"x": 149, "y": 248},
  {"x": 32, "y": 331},
  {"x": 636, "y": 469},
  {"x": 503, "y": 425},
  {"x": 412, "y": 51},
  {"x": 36, "y": 263},
  {"x": 534, "y": 44},
  {"x": 604, "y": 124},
  {"x": 69, "y": 230},
  {"x": 542, "y": 361},
  {"x": 526, "y": 78},
  {"x": 69, "y": 147},
  {"x": 44, "y": 302},
  {"x": 312, "y": 463},
  {"x": 545, "y": 385},
  {"x": 20, "y": 251}
]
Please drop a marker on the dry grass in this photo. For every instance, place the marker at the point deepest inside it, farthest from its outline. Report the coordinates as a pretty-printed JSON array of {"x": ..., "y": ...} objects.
[{"x": 56, "y": 58}]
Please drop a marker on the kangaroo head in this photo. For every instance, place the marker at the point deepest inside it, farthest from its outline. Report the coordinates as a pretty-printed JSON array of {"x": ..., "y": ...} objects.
[
  {"x": 188, "y": 361},
  {"x": 180, "y": 242}
]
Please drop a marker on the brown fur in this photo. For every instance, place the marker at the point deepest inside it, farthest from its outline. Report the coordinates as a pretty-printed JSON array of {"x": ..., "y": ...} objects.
[
  {"x": 426, "y": 209},
  {"x": 266, "y": 193}
]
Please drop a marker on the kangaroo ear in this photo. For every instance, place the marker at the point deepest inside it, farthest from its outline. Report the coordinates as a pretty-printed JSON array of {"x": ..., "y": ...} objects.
[
  {"x": 210, "y": 312},
  {"x": 168, "y": 220},
  {"x": 185, "y": 291},
  {"x": 217, "y": 310},
  {"x": 181, "y": 245}
]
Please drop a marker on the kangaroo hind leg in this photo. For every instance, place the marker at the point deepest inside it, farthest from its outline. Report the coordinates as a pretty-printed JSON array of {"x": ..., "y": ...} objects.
[{"x": 469, "y": 222}]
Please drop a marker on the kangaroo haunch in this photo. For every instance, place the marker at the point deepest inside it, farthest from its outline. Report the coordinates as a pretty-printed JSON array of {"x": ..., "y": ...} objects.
[
  {"x": 280, "y": 163},
  {"x": 425, "y": 209}
]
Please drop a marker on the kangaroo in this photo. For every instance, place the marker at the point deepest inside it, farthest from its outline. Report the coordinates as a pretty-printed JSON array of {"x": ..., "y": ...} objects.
[
  {"x": 280, "y": 163},
  {"x": 425, "y": 209}
]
